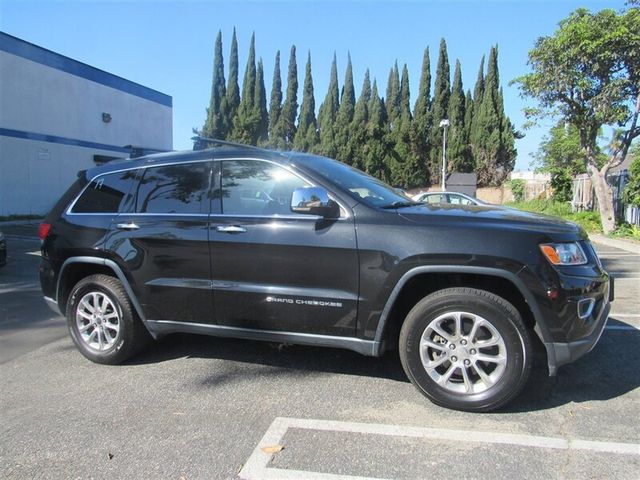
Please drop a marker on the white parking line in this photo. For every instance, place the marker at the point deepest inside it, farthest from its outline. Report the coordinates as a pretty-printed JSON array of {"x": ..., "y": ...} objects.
[
  {"x": 624, "y": 315},
  {"x": 256, "y": 467},
  {"x": 35, "y": 253}
]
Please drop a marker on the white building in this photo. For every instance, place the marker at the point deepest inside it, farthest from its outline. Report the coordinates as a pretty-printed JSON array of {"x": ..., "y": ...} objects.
[{"x": 59, "y": 116}]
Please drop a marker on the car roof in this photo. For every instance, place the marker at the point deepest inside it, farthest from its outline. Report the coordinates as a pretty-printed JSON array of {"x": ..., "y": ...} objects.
[{"x": 190, "y": 156}]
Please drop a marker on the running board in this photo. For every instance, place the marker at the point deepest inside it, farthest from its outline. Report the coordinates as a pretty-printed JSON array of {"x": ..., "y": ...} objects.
[{"x": 369, "y": 348}]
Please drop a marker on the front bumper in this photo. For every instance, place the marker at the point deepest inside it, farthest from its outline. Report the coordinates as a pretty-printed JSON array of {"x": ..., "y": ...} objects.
[{"x": 562, "y": 353}]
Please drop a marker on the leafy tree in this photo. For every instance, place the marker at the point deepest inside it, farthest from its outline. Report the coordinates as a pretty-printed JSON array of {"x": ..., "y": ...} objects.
[
  {"x": 458, "y": 142},
  {"x": 422, "y": 120},
  {"x": 631, "y": 194},
  {"x": 439, "y": 111},
  {"x": 231, "y": 100},
  {"x": 214, "y": 125},
  {"x": 290, "y": 106},
  {"x": 345, "y": 116},
  {"x": 560, "y": 155},
  {"x": 306, "y": 137},
  {"x": 588, "y": 73},
  {"x": 328, "y": 113},
  {"x": 276, "y": 135}
]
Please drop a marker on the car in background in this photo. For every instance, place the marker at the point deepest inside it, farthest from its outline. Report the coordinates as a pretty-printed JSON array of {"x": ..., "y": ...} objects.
[
  {"x": 3, "y": 250},
  {"x": 453, "y": 198}
]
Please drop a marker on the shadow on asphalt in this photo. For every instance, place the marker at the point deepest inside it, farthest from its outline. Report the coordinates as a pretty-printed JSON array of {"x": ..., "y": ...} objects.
[{"x": 609, "y": 371}]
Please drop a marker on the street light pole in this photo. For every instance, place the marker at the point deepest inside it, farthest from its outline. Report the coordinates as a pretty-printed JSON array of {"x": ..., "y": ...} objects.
[{"x": 444, "y": 124}]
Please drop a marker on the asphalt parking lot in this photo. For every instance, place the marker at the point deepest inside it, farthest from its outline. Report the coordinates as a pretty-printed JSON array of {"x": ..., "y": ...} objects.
[{"x": 198, "y": 407}]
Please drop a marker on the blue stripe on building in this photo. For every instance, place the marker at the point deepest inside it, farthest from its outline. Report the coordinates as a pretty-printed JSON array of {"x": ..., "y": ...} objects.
[
  {"x": 7, "y": 132},
  {"x": 21, "y": 48}
]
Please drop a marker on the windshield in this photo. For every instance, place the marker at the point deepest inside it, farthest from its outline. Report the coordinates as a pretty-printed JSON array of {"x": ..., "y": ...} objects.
[{"x": 362, "y": 186}]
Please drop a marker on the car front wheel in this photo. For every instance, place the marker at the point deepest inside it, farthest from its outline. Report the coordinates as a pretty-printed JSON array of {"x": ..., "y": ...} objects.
[{"x": 466, "y": 349}]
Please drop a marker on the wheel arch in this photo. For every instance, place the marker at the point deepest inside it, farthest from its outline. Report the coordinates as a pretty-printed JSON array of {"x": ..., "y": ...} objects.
[
  {"x": 418, "y": 282},
  {"x": 75, "y": 268}
]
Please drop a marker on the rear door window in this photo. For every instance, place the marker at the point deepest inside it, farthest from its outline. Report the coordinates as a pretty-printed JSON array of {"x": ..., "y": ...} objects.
[
  {"x": 105, "y": 194},
  {"x": 175, "y": 189}
]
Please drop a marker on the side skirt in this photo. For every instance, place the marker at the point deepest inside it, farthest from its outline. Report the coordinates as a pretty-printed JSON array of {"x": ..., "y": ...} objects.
[{"x": 365, "y": 347}]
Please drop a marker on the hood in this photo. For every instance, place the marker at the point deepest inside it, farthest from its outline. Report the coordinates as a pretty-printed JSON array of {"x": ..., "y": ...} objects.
[{"x": 490, "y": 216}]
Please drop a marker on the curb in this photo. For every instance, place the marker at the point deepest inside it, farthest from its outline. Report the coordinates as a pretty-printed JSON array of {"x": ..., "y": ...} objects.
[{"x": 626, "y": 245}]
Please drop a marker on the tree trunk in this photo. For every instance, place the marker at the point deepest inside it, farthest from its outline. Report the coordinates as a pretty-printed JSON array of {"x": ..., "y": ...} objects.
[{"x": 605, "y": 198}]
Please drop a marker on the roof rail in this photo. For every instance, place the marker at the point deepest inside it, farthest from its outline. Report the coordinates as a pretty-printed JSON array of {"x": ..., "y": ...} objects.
[{"x": 200, "y": 142}]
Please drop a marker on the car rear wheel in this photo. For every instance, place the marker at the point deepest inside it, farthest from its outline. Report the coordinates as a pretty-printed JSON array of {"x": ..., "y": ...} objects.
[
  {"x": 466, "y": 349},
  {"x": 102, "y": 322}
]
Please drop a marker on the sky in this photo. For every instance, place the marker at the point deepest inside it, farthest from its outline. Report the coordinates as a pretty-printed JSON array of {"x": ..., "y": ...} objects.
[{"x": 168, "y": 45}]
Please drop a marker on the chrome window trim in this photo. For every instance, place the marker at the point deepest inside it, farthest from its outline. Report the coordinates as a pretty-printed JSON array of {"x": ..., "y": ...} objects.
[
  {"x": 69, "y": 209},
  {"x": 343, "y": 210}
]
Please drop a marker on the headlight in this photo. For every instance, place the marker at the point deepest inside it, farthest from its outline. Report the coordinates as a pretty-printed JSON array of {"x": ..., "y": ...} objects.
[{"x": 564, "y": 253}]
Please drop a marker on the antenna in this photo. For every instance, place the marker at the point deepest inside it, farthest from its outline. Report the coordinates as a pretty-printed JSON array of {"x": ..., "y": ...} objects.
[{"x": 201, "y": 141}]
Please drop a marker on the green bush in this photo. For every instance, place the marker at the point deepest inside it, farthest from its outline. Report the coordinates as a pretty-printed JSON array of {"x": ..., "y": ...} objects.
[
  {"x": 517, "y": 188},
  {"x": 590, "y": 221}
]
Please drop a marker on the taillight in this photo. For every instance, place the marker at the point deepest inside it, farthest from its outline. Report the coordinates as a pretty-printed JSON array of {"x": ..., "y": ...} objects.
[{"x": 43, "y": 230}]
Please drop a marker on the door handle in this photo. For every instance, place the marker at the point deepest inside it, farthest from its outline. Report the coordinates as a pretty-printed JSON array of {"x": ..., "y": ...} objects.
[
  {"x": 230, "y": 229},
  {"x": 127, "y": 226}
]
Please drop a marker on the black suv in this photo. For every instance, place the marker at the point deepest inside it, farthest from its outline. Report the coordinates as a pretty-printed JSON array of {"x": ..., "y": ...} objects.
[{"x": 243, "y": 242}]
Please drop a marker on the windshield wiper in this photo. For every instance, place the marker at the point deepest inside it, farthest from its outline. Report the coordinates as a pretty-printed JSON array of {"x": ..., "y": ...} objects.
[{"x": 401, "y": 205}]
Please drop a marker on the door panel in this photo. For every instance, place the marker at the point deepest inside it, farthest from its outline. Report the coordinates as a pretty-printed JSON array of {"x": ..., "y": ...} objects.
[
  {"x": 165, "y": 242},
  {"x": 280, "y": 271}
]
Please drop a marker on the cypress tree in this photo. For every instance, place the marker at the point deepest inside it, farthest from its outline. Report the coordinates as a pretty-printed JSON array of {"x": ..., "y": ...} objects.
[
  {"x": 214, "y": 124},
  {"x": 290, "y": 106},
  {"x": 327, "y": 114},
  {"x": 478, "y": 93},
  {"x": 261, "y": 105},
  {"x": 376, "y": 155},
  {"x": 422, "y": 119},
  {"x": 488, "y": 130},
  {"x": 247, "y": 120},
  {"x": 392, "y": 101},
  {"x": 469, "y": 106},
  {"x": 306, "y": 137},
  {"x": 404, "y": 169},
  {"x": 358, "y": 138},
  {"x": 232, "y": 99},
  {"x": 345, "y": 116},
  {"x": 439, "y": 111},
  {"x": 276, "y": 135},
  {"x": 457, "y": 145}
]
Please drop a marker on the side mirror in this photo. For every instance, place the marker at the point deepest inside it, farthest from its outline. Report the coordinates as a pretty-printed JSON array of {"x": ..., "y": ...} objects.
[{"x": 314, "y": 201}]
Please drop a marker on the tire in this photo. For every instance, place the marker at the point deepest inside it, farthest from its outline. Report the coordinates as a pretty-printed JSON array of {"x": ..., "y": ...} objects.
[
  {"x": 476, "y": 374},
  {"x": 116, "y": 333}
]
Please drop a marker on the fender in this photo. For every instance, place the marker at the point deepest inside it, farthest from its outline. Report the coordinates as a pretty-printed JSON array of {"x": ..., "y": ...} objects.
[
  {"x": 540, "y": 327},
  {"x": 119, "y": 273}
]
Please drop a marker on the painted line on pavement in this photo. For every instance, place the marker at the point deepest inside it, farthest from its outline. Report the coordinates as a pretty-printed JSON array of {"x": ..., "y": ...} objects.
[
  {"x": 256, "y": 467},
  {"x": 35, "y": 253},
  {"x": 622, "y": 327}
]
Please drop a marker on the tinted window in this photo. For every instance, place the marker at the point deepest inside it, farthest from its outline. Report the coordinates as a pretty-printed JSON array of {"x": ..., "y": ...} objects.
[
  {"x": 174, "y": 189},
  {"x": 364, "y": 187},
  {"x": 251, "y": 187},
  {"x": 105, "y": 194}
]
